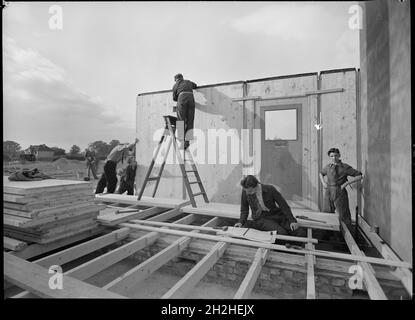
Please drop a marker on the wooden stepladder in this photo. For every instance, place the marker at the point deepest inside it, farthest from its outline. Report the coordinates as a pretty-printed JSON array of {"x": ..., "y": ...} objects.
[{"x": 169, "y": 130}]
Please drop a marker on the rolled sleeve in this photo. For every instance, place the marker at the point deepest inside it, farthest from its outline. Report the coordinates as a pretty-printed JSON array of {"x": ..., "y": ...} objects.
[{"x": 350, "y": 171}]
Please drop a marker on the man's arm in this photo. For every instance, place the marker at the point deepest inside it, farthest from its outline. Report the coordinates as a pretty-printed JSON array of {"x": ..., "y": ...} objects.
[
  {"x": 278, "y": 198},
  {"x": 244, "y": 209},
  {"x": 130, "y": 146},
  {"x": 175, "y": 95},
  {"x": 355, "y": 174},
  {"x": 194, "y": 85}
]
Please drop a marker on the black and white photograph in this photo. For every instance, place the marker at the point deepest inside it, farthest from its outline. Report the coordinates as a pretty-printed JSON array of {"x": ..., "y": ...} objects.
[{"x": 205, "y": 157}]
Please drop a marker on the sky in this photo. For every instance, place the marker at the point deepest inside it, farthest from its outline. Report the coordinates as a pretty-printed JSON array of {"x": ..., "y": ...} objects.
[{"x": 79, "y": 83}]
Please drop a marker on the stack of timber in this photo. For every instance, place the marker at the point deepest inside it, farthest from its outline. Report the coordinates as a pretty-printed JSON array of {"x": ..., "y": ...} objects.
[{"x": 48, "y": 210}]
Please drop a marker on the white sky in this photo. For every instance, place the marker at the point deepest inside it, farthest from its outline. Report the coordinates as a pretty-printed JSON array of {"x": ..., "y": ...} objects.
[{"x": 79, "y": 84}]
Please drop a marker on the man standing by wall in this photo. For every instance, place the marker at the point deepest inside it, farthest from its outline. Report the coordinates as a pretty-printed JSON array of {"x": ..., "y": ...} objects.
[
  {"x": 183, "y": 94},
  {"x": 109, "y": 177},
  {"x": 335, "y": 195}
]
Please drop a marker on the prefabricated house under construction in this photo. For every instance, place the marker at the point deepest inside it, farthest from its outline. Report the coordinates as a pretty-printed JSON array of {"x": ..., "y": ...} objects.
[{"x": 280, "y": 129}]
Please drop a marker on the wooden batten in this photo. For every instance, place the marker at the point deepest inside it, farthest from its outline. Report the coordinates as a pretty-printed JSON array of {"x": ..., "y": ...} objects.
[
  {"x": 372, "y": 285},
  {"x": 318, "y": 253},
  {"x": 252, "y": 275},
  {"x": 35, "y": 279},
  {"x": 146, "y": 268},
  {"x": 190, "y": 280},
  {"x": 403, "y": 274},
  {"x": 311, "y": 286}
]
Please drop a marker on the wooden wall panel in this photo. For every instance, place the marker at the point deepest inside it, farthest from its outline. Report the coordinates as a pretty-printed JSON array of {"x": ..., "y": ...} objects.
[
  {"x": 296, "y": 86},
  {"x": 216, "y": 110},
  {"x": 338, "y": 111}
]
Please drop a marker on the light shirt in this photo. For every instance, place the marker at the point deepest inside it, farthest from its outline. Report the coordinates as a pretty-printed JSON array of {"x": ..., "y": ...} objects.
[{"x": 118, "y": 153}]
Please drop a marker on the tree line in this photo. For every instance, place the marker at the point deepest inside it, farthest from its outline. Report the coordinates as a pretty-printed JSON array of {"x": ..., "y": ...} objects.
[{"x": 12, "y": 150}]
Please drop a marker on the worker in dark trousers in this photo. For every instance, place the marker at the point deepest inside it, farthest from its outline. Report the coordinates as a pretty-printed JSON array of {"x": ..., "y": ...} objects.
[
  {"x": 266, "y": 216},
  {"x": 109, "y": 177},
  {"x": 183, "y": 94},
  {"x": 90, "y": 158},
  {"x": 127, "y": 177},
  {"x": 335, "y": 195}
]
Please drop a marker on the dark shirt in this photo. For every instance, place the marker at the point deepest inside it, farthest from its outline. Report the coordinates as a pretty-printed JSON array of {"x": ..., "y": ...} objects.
[
  {"x": 129, "y": 176},
  {"x": 183, "y": 86},
  {"x": 90, "y": 156},
  {"x": 271, "y": 198},
  {"x": 337, "y": 173}
]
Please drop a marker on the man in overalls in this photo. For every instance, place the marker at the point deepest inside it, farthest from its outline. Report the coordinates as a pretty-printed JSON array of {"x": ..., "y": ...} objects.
[
  {"x": 335, "y": 196},
  {"x": 183, "y": 94}
]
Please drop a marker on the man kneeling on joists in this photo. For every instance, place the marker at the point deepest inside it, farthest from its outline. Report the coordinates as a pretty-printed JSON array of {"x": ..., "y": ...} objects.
[{"x": 266, "y": 216}]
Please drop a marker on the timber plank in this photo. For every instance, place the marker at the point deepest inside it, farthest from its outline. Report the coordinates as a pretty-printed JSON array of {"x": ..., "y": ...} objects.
[
  {"x": 252, "y": 275},
  {"x": 13, "y": 244},
  {"x": 181, "y": 288},
  {"x": 403, "y": 274},
  {"x": 146, "y": 268},
  {"x": 372, "y": 285},
  {"x": 145, "y": 201},
  {"x": 35, "y": 279}
]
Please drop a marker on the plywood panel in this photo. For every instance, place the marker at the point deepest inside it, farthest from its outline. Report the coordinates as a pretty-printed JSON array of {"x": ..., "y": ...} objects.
[
  {"x": 214, "y": 111},
  {"x": 286, "y": 87},
  {"x": 339, "y": 122}
]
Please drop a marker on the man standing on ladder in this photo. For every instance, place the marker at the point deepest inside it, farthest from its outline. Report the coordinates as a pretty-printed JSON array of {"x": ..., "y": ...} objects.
[{"x": 183, "y": 94}]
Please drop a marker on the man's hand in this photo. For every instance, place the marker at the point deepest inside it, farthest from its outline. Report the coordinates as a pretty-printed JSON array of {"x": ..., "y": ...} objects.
[
  {"x": 293, "y": 226},
  {"x": 136, "y": 140},
  {"x": 238, "y": 225},
  {"x": 325, "y": 185}
]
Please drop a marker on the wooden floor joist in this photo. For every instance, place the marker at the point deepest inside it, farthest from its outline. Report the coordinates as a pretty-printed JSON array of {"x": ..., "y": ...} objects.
[
  {"x": 36, "y": 279},
  {"x": 403, "y": 274},
  {"x": 210, "y": 229},
  {"x": 146, "y": 268},
  {"x": 252, "y": 275},
  {"x": 191, "y": 279},
  {"x": 94, "y": 266},
  {"x": 117, "y": 218},
  {"x": 311, "y": 286},
  {"x": 372, "y": 285},
  {"x": 318, "y": 253}
]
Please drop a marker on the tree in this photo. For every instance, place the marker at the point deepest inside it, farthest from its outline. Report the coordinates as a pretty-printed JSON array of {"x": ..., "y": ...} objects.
[
  {"x": 113, "y": 143},
  {"x": 11, "y": 148},
  {"x": 75, "y": 149},
  {"x": 58, "y": 151},
  {"x": 102, "y": 149}
]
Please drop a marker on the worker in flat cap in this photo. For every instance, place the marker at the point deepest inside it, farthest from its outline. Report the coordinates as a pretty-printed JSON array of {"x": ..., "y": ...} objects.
[{"x": 183, "y": 94}]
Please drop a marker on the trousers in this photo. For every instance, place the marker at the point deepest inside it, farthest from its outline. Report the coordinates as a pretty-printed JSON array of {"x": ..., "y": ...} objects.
[
  {"x": 336, "y": 199},
  {"x": 186, "y": 113},
  {"x": 269, "y": 224},
  {"x": 108, "y": 178}
]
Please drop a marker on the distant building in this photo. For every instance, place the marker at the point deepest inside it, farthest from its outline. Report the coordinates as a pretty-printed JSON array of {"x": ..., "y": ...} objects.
[{"x": 41, "y": 152}]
